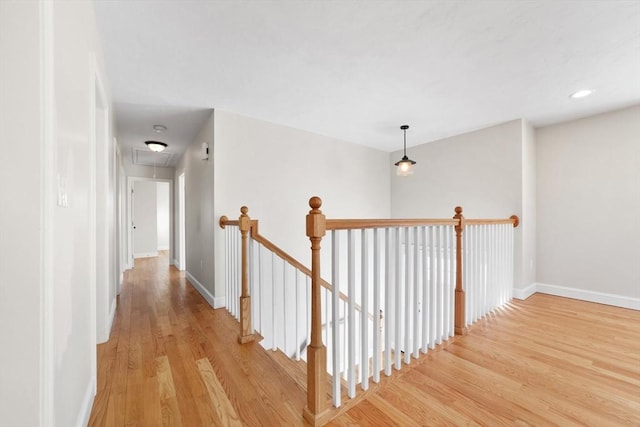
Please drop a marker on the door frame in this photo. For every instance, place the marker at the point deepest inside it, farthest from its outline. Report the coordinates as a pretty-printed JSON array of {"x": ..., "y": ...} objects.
[
  {"x": 130, "y": 182},
  {"x": 182, "y": 222}
]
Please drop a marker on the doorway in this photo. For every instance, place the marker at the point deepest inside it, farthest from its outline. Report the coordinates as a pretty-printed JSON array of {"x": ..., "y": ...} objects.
[{"x": 150, "y": 217}]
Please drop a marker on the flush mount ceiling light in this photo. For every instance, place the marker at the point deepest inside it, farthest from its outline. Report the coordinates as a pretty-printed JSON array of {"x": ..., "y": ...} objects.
[
  {"x": 156, "y": 146},
  {"x": 159, "y": 128},
  {"x": 581, "y": 93},
  {"x": 405, "y": 165}
]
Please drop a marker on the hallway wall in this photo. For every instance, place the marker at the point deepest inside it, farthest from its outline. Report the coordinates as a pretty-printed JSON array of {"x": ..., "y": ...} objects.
[
  {"x": 275, "y": 169},
  {"x": 50, "y": 55},
  {"x": 588, "y": 179},
  {"x": 199, "y": 214},
  {"x": 21, "y": 266}
]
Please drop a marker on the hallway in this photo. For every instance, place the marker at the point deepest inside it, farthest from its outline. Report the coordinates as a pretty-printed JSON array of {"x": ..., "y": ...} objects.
[{"x": 171, "y": 358}]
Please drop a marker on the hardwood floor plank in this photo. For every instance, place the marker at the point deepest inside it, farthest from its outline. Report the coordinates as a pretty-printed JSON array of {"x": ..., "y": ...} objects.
[{"x": 224, "y": 410}]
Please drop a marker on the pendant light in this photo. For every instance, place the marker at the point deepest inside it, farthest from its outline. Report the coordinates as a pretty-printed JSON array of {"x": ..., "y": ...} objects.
[
  {"x": 156, "y": 146},
  {"x": 405, "y": 165}
]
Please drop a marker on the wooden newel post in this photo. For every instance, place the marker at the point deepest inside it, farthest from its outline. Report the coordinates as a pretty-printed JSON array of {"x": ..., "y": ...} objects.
[
  {"x": 246, "y": 331},
  {"x": 317, "y": 402},
  {"x": 460, "y": 326}
]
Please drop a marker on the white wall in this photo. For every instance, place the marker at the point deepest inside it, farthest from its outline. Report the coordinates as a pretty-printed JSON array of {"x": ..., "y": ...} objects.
[
  {"x": 274, "y": 170},
  {"x": 21, "y": 248},
  {"x": 200, "y": 221},
  {"x": 145, "y": 218},
  {"x": 480, "y": 171},
  {"x": 47, "y": 253},
  {"x": 75, "y": 34},
  {"x": 588, "y": 206},
  {"x": 163, "y": 229}
]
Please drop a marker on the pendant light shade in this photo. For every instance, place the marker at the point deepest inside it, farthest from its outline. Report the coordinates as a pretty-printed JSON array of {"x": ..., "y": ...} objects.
[
  {"x": 404, "y": 165},
  {"x": 156, "y": 146}
]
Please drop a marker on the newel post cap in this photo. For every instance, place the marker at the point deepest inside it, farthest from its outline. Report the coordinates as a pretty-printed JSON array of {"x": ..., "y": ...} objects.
[
  {"x": 244, "y": 222},
  {"x": 316, "y": 221}
]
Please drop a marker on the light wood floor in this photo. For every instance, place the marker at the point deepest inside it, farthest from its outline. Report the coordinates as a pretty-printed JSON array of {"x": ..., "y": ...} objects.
[{"x": 172, "y": 360}]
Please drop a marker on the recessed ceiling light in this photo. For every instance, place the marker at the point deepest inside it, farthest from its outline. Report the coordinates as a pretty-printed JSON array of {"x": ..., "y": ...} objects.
[
  {"x": 581, "y": 93},
  {"x": 159, "y": 128}
]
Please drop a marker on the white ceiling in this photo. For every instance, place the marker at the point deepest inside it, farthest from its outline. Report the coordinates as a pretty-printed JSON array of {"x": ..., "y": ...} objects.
[{"x": 357, "y": 70}]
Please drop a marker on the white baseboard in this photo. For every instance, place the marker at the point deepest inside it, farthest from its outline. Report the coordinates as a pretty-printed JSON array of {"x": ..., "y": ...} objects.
[
  {"x": 104, "y": 335},
  {"x": 218, "y": 302},
  {"x": 524, "y": 293},
  {"x": 87, "y": 402},
  {"x": 145, "y": 254},
  {"x": 163, "y": 248},
  {"x": 592, "y": 296},
  {"x": 176, "y": 264},
  {"x": 200, "y": 288},
  {"x": 112, "y": 316}
]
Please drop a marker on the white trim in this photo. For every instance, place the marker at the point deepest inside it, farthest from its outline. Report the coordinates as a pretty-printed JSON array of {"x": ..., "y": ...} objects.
[
  {"x": 592, "y": 296},
  {"x": 219, "y": 302},
  {"x": 163, "y": 248},
  {"x": 129, "y": 221},
  {"x": 215, "y": 302},
  {"x": 146, "y": 255},
  {"x": 120, "y": 282},
  {"x": 87, "y": 402},
  {"x": 176, "y": 264},
  {"x": 48, "y": 150},
  {"x": 524, "y": 293},
  {"x": 112, "y": 316}
]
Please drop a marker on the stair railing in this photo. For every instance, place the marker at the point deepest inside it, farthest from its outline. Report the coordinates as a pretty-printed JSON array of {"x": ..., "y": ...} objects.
[
  {"x": 410, "y": 269},
  {"x": 429, "y": 277},
  {"x": 271, "y": 287}
]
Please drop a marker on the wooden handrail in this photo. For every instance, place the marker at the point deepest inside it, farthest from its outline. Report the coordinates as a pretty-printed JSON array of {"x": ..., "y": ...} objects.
[
  {"x": 357, "y": 224},
  {"x": 511, "y": 220},
  {"x": 224, "y": 221}
]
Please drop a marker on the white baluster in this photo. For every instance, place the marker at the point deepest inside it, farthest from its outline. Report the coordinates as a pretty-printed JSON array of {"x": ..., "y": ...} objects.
[
  {"x": 335, "y": 303},
  {"x": 308, "y": 311},
  {"x": 433, "y": 255},
  {"x": 408, "y": 287},
  {"x": 397, "y": 339},
  {"x": 261, "y": 285},
  {"x": 446, "y": 282},
  {"x": 387, "y": 302},
  {"x": 297, "y": 321},
  {"x": 438, "y": 285},
  {"x": 364, "y": 322},
  {"x": 425, "y": 289},
  {"x": 351, "y": 380},
  {"x": 274, "y": 326},
  {"x": 376, "y": 307},
  {"x": 415, "y": 303},
  {"x": 285, "y": 326}
]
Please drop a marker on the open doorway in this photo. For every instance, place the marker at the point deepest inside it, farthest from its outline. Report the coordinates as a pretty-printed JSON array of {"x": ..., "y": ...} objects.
[{"x": 150, "y": 213}]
